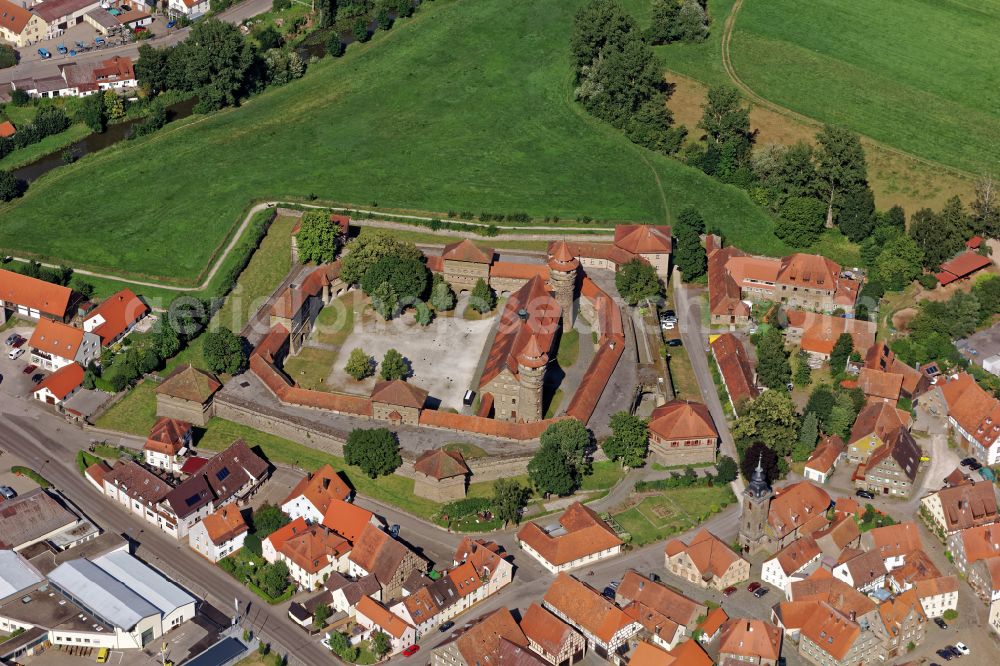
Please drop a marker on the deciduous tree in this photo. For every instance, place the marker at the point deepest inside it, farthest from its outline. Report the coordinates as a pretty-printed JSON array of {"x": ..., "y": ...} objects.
[
  {"x": 840, "y": 164},
  {"x": 375, "y": 451},
  {"x": 483, "y": 298},
  {"x": 318, "y": 239},
  {"x": 762, "y": 454},
  {"x": 408, "y": 277},
  {"x": 267, "y": 519},
  {"x": 773, "y": 369},
  {"x": 442, "y": 296},
  {"x": 842, "y": 350},
  {"x": 364, "y": 251},
  {"x": 726, "y": 470},
  {"x": 224, "y": 351},
  {"x": 629, "y": 440},
  {"x": 770, "y": 418},
  {"x": 509, "y": 500},
  {"x": 561, "y": 462},
  {"x": 359, "y": 364},
  {"x": 394, "y": 366},
  {"x": 385, "y": 301},
  {"x": 808, "y": 434},
  {"x": 801, "y": 221},
  {"x": 637, "y": 280}
]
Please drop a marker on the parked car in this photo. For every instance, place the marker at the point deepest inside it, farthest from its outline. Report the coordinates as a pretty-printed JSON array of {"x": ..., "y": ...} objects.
[
  {"x": 446, "y": 626},
  {"x": 945, "y": 654},
  {"x": 171, "y": 23},
  {"x": 676, "y": 342},
  {"x": 45, "y": 54},
  {"x": 753, "y": 587},
  {"x": 614, "y": 584},
  {"x": 761, "y": 591},
  {"x": 7, "y": 492},
  {"x": 940, "y": 623},
  {"x": 99, "y": 41},
  {"x": 963, "y": 648},
  {"x": 864, "y": 493},
  {"x": 394, "y": 531},
  {"x": 976, "y": 466},
  {"x": 62, "y": 49},
  {"x": 654, "y": 577},
  {"x": 15, "y": 354},
  {"x": 967, "y": 461},
  {"x": 80, "y": 46},
  {"x": 668, "y": 325},
  {"x": 37, "y": 379},
  {"x": 30, "y": 368},
  {"x": 952, "y": 650},
  {"x": 410, "y": 651},
  {"x": 19, "y": 342},
  {"x": 608, "y": 593},
  {"x": 729, "y": 591},
  {"x": 12, "y": 338}
]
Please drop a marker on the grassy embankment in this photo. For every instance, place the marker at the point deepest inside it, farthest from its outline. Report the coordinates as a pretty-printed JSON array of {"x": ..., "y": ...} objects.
[{"x": 412, "y": 125}]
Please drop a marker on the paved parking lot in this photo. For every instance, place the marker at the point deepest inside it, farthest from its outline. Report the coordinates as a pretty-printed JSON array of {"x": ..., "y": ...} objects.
[{"x": 15, "y": 382}]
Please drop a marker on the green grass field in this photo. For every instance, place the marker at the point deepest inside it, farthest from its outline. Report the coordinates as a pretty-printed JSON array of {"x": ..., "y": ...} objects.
[
  {"x": 671, "y": 511},
  {"x": 919, "y": 75},
  {"x": 402, "y": 121},
  {"x": 135, "y": 413}
]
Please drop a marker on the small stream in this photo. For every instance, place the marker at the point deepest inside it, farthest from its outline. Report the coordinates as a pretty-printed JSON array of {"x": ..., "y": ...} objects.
[{"x": 96, "y": 142}]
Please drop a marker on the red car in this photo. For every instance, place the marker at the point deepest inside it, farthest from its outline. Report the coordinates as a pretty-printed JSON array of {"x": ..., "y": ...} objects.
[
  {"x": 752, "y": 587},
  {"x": 729, "y": 591},
  {"x": 28, "y": 369},
  {"x": 410, "y": 651},
  {"x": 19, "y": 343}
]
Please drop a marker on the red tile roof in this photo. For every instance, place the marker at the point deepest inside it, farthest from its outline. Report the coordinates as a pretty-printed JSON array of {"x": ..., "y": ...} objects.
[
  {"x": 809, "y": 270},
  {"x": 962, "y": 266},
  {"x": 981, "y": 542},
  {"x": 711, "y": 556},
  {"x": 750, "y": 638},
  {"x": 481, "y": 643},
  {"x": 820, "y": 331},
  {"x": 314, "y": 549},
  {"x": 586, "y": 608},
  {"x": 225, "y": 524},
  {"x": 643, "y": 238},
  {"x": 561, "y": 258},
  {"x": 193, "y": 465},
  {"x": 797, "y": 554},
  {"x": 541, "y": 321},
  {"x": 542, "y": 627},
  {"x": 827, "y": 628},
  {"x": 724, "y": 294},
  {"x": 119, "y": 311},
  {"x": 13, "y": 17},
  {"x": 895, "y": 540},
  {"x": 683, "y": 419},
  {"x": 378, "y": 553},
  {"x": 440, "y": 464},
  {"x": 398, "y": 392},
  {"x": 611, "y": 347},
  {"x": 286, "y": 532},
  {"x": 586, "y": 534},
  {"x": 515, "y": 271},
  {"x": 98, "y": 471},
  {"x": 63, "y": 381},
  {"x": 647, "y": 654},
  {"x": 389, "y": 622},
  {"x": 974, "y": 242},
  {"x": 825, "y": 455},
  {"x": 466, "y": 250},
  {"x": 346, "y": 519},
  {"x": 57, "y": 338},
  {"x": 796, "y": 504},
  {"x": 714, "y": 621},
  {"x": 465, "y": 578},
  {"x": 734, "y": 365},
  {"x": 168, "y": 436},
  {"x": 189, "y": 383},
  {"x": 320, "y": 488},
  {"x": 666, "y": 602},
  {"x": 879, "y": 384},
  {"x": 969, "y": 504},
  {"x": 690, "y": 653},
  {"x": 975, "y": 410}
]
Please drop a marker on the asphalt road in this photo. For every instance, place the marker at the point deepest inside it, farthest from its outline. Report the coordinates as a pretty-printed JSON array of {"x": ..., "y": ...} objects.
[
  {"x": 49, "y": 445},
  {"x": 42, "y": 68}
]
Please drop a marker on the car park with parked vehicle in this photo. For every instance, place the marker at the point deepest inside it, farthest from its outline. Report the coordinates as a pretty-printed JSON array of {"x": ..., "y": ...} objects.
[{"x": 865, "y": 494}]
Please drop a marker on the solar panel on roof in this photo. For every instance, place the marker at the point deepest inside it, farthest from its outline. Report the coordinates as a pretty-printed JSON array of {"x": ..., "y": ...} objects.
[
  {"x": 191, "y": 501},
  {"x": 222, "y": 474}
]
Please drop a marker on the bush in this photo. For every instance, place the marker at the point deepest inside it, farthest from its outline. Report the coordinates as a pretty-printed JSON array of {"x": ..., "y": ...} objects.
[
  {"x": 928, "y": 280},
  {"x": 951, "y": 614},
  {"x": 466, "y": 507},
  {"x": 334, "y": 46},
  {"x": 31, "y": 474},
  {"x": 280, "y": 5}
]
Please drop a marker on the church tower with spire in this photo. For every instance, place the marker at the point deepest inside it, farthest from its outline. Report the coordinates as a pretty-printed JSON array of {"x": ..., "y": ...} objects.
[{"x": 756, "y": 504}]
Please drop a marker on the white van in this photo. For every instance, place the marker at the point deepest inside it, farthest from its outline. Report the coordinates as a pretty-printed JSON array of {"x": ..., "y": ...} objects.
[{"x": 15, "y": 354}]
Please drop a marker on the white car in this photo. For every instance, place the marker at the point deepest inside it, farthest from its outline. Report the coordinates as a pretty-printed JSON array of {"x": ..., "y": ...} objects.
[
  {"x": 963, "y": 648},
  {"x": 668, "y": 325},
  {"x": 15, "y": 354}
]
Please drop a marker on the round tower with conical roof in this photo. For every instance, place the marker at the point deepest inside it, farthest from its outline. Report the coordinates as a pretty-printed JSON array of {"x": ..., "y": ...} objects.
[
  {"x": 531, "y": 364},
  {"x": 756, "y": 505},
  {"x": 563, "y": 267}
]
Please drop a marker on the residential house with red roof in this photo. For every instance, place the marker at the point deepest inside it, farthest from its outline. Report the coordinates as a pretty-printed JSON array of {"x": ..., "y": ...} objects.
[
  {"x": 961, "y": 506},
  {"x": 219, "y": 534},
  {"x": 347, "y": 519},
  {"x": 974, "y": 415},
  {"x": 879, "y": 385},
  {"x": 876, "y": 425},
  {"x": 378, "y": 554},
  {"x": 823, "y": 460},
  {"x": 666, "y": 616},
  {"x": 440, "y": 475},
  {"x": 975, "y": 553},
  {"x": 581, "y": 538},
  {"x": 792, "y": 563},
  {"x": 489, "y": 559},
  {"x": 750, "y": 641},
  {"x": 863, "y": 570},
  {"x": 60, "y": 386},
  {"x": 706, "y": 561},
  {"x": 311, "y": 552},
  {"x": 828, "y": 635},
  {"x": 516, "y": 363},
  {"x": 816, "y": 334},
  {"x": 373, "y": 617},
  {"x": 682, "y": 432},
  {"x": 495, "y": 638},
  {"x": 55, "y": 345},
  {"x": 891, "y": 469},
  {"x": 737, "y": 372},
  {"x": 115, "y": 316},
  {"x": 652, "y": 243},
  {"x": 604, "y": 626},
  {"x": 311, "y": 496},
  {"x": 33, "y": 298},
  {"x": 20, "y": 26},
  {"x": 167, "y": 444},
  {"x": 894, "y": 542},
  {"x": 915, "y": 382},
  {"x": 551, "y": 638},
  {"x": 712, "y": 625}
]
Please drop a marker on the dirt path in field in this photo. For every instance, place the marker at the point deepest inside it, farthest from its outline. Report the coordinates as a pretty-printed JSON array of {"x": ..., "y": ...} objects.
[{"x": 727, "y": 63}]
